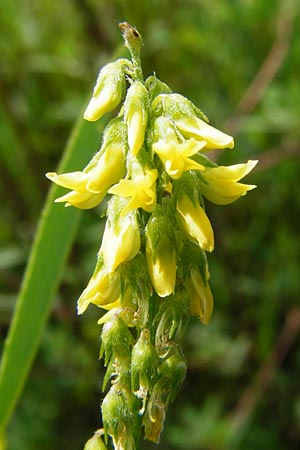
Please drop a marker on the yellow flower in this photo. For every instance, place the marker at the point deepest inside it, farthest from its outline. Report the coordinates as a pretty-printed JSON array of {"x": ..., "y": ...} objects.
[
  {"x": 109, "y": 90},
  {"x": 193, "y": 127},
  {"x": 196, "y": 223},
  {"x": 141, "y": 189},
  {"x": 175, "y": 155},
  {"x": 121, "y": 241},
  {"x": 201, "y": 298},
  {"x": 90, "y": 186},
  {"x": 221, "y": 183},
  {"x": 102, "y": 290},
  {"x": 161, "y": 263},
  {"x": 136, "y": 115},
  {"x": 186, "y": 118},
  {"x": 79, "y": 197}
]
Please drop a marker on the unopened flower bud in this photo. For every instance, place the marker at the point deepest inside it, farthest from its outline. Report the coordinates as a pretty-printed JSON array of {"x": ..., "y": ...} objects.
[
  {"x": 161, "y": 251},
  {"x": 144, "y": 363},
  {"x": 136, "y": 108},
  {"x": 116, "y": 339},
  {"x": 120, "y": 416},
  {"x": 170, "y": 320},
  {"x": 121, "y": 238},
  {"x": 195, "y": 222},
  {"x": 171, "y": 375},
  {"x": 202, "y": 301},
  {"x": 109, "y": 90},
  {"x": 156, "y": 87},
  {"x": 95, "y": 442}
]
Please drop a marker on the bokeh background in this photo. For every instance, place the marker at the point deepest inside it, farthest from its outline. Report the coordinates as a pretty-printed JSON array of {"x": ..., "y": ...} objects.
[{"x": 239, "y": 61}]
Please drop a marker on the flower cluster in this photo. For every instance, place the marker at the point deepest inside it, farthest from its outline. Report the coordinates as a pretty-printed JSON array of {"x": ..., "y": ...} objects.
[{"x": 151, "y": 270}]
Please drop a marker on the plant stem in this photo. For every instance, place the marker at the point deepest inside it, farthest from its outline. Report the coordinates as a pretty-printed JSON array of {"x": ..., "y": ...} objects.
[{"x": 134, "y": 42}]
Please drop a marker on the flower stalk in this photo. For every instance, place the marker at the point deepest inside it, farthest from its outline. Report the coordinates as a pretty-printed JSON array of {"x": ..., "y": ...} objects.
[{"x": 151, "y": 272}]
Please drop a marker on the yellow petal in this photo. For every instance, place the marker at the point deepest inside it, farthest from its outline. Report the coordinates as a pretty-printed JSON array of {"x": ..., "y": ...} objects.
[
  {"x": 120, "y": 243},
  {"x": 162, "y": 267},
  {"x": 202, "y": 301},
  {"x": 196, "y": 223},
  {"x": 71, "y": 180},
  {"x": 81, "y": 200},
  {"x": 197, "y": 128}
]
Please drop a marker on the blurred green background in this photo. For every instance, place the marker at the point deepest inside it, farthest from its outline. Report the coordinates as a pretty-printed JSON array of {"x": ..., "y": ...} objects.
[{"x": 239, "y": 61}]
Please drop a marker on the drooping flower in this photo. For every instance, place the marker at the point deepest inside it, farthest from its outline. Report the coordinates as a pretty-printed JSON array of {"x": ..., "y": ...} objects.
[
  {"x": 175, "y": 154},
  {"x": 161, "y": 255},
  {"x": 109, "y": 90},
  {"x": 202, "y": 302},
  {"x": 221, "y": 185},
  {"x": 90, "y": 186},
  {"x": 121, "y": 241},
  {"x": 195, "y": 222},
  {"x": 140, "y": 189},
  {"x": 136, "y": 108},
  {"x": 102, "y": 290}
]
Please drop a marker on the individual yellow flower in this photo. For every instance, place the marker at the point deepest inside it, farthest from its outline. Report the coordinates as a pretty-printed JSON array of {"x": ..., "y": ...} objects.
[
  {"x": 102, "y": 290},
  {"x": 121, "y": 241},
  {"x": 141, "y": 190},
  {"x": 161, "y": 263},
  {"x": 175, "y": 154},
  {"x": 201, "y": 298},
  {"x": 90, "y": 186},
  {"x": 196, "y": 223},
  {"x": 136, "y": 115},
  {"x": 109, "y": 90},
  {"x": 79, "y": 197},
  {"x": 185, "y": 116},
  {"x": 221, "y": 185}
]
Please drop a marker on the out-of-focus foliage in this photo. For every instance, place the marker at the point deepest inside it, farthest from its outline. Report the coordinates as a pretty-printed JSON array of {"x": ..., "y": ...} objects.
[{"x": 242, "y": 389}]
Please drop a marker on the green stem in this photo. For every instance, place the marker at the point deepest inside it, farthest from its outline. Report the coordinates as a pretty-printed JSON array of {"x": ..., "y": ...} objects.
[{"x": 134, "y": 42}]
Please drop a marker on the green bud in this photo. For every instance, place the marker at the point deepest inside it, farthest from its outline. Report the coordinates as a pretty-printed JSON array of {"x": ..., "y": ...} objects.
[
  {"x": 116, "y": 339},
  {"x": 95, "y": 442},
  {"x": 120, "y": 417},
  {"x": 170, "y": 320},
  {"x": 144, "y": 363},
  {"x": 171, "y": 375},
  {"x": 156, "y": 87}
]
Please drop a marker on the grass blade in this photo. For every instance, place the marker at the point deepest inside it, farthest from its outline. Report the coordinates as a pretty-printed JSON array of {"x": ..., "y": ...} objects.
[{"x": 50, "y": 249}]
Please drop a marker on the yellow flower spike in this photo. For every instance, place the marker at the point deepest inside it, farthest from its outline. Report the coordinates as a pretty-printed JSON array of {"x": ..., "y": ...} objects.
[
  {"x": 196, "y": 223},
  {"x": 109, "y": 90},
  {"x": 136, "y": 107},
  {"x": 141, "y": 190},
  {"x": 121, "y": 242},
  {"x": 103, "y": 288},
  {"x": 162, "y": 266},
  {"x": 221, "y": 185},
  {"x": 201, "y": 298}
]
